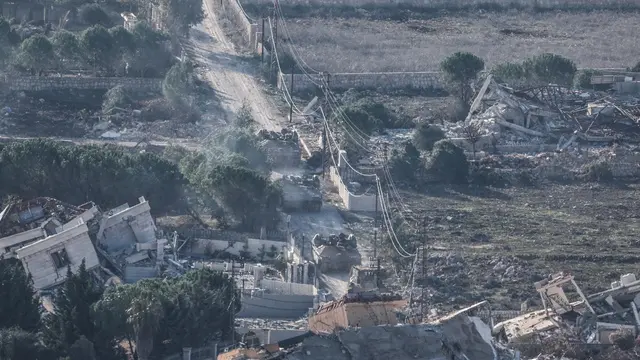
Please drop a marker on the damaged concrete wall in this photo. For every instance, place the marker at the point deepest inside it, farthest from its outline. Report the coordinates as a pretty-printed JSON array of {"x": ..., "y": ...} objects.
[
  {"x": 37, "y": 258},
  {"x": 351, "y": 201}
]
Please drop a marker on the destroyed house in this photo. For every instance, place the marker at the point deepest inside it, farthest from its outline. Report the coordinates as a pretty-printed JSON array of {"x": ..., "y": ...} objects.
[
  {"x": 124, "y": 226},
  {"x": 47, "y": 259},
  {"x": 47, "y": 236},
  {"x": 127, "y": 240}
]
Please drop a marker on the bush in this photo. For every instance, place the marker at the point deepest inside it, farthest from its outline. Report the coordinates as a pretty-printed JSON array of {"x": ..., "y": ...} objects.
[
  {"x": 403, "y": 166},
  {"x": 636, "y": 68},
  {"x": 582, "y": 80},
  {"x": 116, "y": 97},
  {"x": 93, "y": 14},
  {"x": 455, "y": 111},
  {"x": 550, "y": 68},
  {"x": 448, "y": 163},
  {"x": 426, "y": 135},
  {"x": 598, "y": 171},
  {"x": 368, "y": 115}
]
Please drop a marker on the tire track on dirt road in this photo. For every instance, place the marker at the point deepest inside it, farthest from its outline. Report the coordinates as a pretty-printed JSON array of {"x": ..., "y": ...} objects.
[{"x": 234, "y": 79}]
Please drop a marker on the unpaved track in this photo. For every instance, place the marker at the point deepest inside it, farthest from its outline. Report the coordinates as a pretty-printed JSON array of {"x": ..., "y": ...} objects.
[{"x": 232, "y": 77}]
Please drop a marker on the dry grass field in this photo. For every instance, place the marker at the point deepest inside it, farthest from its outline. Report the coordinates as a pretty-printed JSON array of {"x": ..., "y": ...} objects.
[{"x": 601, "y": 39}]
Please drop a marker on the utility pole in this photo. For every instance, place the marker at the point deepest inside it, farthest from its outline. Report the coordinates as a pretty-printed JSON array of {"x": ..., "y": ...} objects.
[
  {"x": 293, "y": 67},
  {"x": 324, "y": 148},
  {"x": 413, "y": 266},
  {"x": 271, "y": 61},
  {"x": 375, "y": 229},
  {"x": 424, "y": 266},
  {"x": 262, "y": 44},
  {"x": 302, "y": 251},
  {"x": 232, "y": 325}
]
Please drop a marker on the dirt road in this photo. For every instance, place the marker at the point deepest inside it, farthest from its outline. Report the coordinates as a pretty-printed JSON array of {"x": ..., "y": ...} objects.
[{"x": 232, "y": 76}]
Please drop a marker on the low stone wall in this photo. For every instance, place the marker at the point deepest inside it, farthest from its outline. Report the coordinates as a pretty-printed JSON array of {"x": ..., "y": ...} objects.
[
  {"x": 45, "y": 83},
  {"x": 426, "y": 80},
  {"x": 461, "y": 4}
]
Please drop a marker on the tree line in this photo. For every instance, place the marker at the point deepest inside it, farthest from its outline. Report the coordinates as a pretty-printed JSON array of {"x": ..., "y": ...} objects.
[
  {"x": 151, "y": 318},
  {"x": 113, "y": 51},
  {"x": 229, "y": 178}
]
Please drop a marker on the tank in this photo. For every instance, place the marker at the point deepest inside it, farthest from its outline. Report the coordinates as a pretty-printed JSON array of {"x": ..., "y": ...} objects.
[{"x": 301, "y": 193}]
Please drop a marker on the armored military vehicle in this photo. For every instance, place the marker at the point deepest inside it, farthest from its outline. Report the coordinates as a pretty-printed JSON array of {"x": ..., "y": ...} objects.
[{"x": 301, "y": 193}]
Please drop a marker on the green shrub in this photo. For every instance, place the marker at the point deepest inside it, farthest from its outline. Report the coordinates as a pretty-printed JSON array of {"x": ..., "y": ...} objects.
[
  {"x": 93, "y": 14},
  {"x": 426, "y": 135},
  {"x": 599, "y": 171},
  {"x": 116, "y": 97},
  {"x": 582, "y": 80},
  {"x": 448, "y": 163}
]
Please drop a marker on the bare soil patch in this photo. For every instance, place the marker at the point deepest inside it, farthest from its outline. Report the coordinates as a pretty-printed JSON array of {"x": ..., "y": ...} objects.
[
  {"x": 600, "y": 39},
  {"x": 495, "y": 243}
]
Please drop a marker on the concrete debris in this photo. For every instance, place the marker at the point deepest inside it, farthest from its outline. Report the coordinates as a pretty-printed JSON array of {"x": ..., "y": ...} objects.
[
  {"x": 48, "y": 235},
  {"x": 588, "y": 319},
  {"x": 459, "y": 336},
  {"x": 511, "y": 121}
]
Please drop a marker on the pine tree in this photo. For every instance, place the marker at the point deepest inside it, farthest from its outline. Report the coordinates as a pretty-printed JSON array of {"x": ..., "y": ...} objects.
[{"x": 19, "y": 307}]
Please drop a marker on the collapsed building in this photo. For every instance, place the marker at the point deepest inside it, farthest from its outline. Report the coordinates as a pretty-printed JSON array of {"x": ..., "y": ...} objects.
[
  {"x": 457, "y": 336},
  {"x": 127, "y": 240},
  {"x": 545, "y": 118},
  {"x": 49, "y": 236},
  {"x": 583, "y": 318}
]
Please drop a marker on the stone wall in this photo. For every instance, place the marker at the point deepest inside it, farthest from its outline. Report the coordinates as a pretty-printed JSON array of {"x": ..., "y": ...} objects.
[
  {"x": 426, "y": 80},
  {"x": 453, "y": 4},
  {"x": 46, "y": 83}
]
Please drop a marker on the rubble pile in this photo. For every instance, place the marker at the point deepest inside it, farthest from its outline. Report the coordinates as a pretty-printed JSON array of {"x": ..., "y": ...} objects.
[
  {"x": 588, "y": 319},
  {"x": 27, "y": 215},
  {"x": 549, "y": 119}
]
